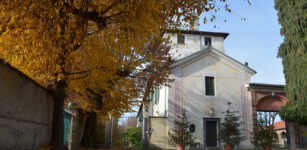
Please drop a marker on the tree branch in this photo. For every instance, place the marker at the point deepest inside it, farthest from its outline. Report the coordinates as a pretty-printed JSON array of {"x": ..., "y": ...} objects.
[
  {"x": 79, "y": 77},
  {"x": 74, "y": 73},
  {"x": 94, "y": 15}
]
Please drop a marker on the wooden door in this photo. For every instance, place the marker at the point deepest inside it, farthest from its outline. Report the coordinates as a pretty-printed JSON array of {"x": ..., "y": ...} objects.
[{"x": 211, "y": 134}]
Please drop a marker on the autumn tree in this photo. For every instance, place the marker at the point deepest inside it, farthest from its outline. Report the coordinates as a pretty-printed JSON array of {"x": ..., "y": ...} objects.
[
  {"x": 292, "y": 16},
  {"x": 89, "y": 47},
  {"x": 155, "y": 72},
  {"x": 152, "y": 73}
]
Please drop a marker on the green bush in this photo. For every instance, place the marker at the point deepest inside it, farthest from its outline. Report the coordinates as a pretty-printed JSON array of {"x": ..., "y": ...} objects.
[
  {"x": 133, "y": 135},
  {"x": 138, "y": 145}
]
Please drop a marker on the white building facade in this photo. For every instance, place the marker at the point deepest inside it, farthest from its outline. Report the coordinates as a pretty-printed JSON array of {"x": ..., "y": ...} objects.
[{"x": 205, "y": 80}]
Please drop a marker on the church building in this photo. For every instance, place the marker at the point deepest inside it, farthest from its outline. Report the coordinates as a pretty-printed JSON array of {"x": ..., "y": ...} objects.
[{"x": 205, "y": 81}]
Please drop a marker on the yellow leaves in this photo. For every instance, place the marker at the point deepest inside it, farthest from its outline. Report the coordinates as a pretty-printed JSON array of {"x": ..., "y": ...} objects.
[
  {"x": 91, "y": 44},
  {"x": 27, "y": 31}
]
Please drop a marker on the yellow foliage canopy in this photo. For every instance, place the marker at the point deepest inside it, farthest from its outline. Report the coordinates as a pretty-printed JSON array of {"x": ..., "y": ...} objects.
[{"x": 92, "y": 45}]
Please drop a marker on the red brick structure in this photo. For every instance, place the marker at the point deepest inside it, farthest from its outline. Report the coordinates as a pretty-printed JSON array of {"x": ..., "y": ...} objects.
[
  {"x": 269, "y": 97},
  {"x": 266, "y": 97}
]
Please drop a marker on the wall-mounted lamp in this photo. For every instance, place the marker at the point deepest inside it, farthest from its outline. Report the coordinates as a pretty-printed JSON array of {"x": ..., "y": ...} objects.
[{"x": 211, "y": 112}]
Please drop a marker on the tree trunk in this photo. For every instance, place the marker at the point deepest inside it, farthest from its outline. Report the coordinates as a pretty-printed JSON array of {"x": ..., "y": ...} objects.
[
  {"x": 59, "y": 95},
  {"x": 90, "y": 134}
]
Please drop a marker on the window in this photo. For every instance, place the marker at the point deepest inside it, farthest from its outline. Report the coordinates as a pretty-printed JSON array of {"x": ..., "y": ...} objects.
[
  {"x": 180, "y": 39},
  {"x": 209, "y": 86},
  {"x": 208, "y": 41}
]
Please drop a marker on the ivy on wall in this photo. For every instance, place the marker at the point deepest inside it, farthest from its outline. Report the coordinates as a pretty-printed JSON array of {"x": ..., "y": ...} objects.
[{"x": 292, "y": 15}]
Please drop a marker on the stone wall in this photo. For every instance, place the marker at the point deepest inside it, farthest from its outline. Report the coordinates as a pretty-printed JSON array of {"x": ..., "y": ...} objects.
[
  {"x": 26, "y": 111},
  {"x": 158, "y": 133}
]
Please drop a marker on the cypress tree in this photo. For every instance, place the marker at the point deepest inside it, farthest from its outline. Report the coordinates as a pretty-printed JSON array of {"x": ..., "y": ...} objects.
[{"x": 292, "y": 15}]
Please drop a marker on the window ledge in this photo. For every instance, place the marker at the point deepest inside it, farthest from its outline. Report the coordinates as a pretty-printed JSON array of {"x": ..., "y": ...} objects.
[{"x": 209, "y": 97}]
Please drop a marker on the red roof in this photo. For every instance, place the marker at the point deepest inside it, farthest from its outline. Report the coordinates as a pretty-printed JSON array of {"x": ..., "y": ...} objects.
[{"x": 279, "y": 125}]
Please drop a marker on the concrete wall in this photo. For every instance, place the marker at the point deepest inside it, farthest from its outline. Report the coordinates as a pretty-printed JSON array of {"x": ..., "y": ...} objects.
[
  {"x": 192, "y": 44},
  {"x": 25, "y": 111},
  {"x": 160, "y": 109}
]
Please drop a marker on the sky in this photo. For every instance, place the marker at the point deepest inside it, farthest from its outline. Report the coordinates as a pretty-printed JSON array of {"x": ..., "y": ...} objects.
[{"x": 255, "y": 40}]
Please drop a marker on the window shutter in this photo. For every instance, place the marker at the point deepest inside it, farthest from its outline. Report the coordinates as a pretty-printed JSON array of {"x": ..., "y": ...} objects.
[
  {"x": 157, "y": 95},
  {"x": 156, "y": 100}
]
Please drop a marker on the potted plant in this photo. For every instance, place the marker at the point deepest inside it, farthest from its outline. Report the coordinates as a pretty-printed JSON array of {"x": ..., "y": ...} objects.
[
  {"x": 265, "y": 134},
  {"x": 180, "y": 134},
  {"x": 230, "y": 132}
]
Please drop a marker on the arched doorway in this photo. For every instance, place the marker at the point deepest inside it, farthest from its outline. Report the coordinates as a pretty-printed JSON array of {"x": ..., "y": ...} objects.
[
  {"x": 267, "y": 98},
  {"x": 272, "y": 104}
]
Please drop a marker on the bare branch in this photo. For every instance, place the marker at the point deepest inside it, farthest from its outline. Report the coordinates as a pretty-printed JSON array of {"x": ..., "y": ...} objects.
[
  {"x": 109, "y": 8},
  {"x": 78, "y": 78}
]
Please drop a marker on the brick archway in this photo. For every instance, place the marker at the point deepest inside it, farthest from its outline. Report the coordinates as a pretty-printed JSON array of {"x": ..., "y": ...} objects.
[
  {"x": 270, "y": 103},
  {"x": 266, "y": 97},
  {"x": 270, "y": 97}
]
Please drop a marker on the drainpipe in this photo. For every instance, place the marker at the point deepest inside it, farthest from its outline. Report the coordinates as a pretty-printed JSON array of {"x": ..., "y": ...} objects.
[
  {"x": 165, "y": 115},
  {"x": 200, "y": 41}
]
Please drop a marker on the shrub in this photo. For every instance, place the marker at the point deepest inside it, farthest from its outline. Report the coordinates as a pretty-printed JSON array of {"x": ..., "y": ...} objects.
[
  {"x": 139, "y": 145},
  {"x": 133, "y": 135},
  {"x": 265, "y": 134},
  {"x": 181, "y": 133}
]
